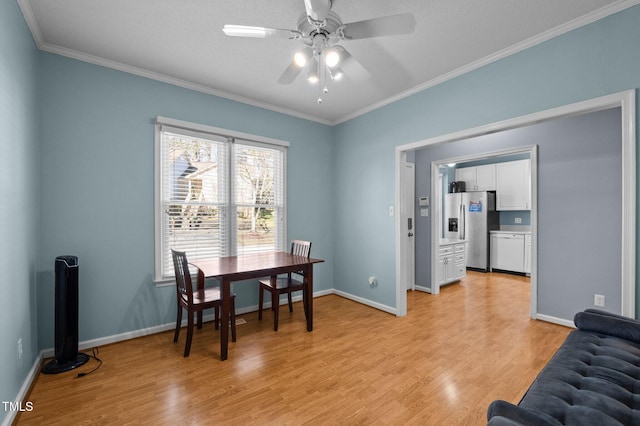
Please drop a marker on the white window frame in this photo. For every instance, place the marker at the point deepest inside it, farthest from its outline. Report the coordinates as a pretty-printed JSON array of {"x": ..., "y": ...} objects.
[{"x": 200, "y": 130}]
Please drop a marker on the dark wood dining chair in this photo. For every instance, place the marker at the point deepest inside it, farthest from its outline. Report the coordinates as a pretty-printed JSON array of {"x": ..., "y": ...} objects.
[
  {"x": 196, "y": 301},
  {"x": 293, "y": 281}
]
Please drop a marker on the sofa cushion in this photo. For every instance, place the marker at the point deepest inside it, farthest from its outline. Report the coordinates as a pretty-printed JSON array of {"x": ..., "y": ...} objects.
[{"x": 609, "y": 324}]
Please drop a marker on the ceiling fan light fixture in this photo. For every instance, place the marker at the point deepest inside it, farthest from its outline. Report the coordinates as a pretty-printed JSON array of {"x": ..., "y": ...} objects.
[
  {"x": 300, "y": 59},
  {"x": 331, "y": 57},
  {"x": 313, "y": 76},
  {"x": 336, "y": 73},
  {"x": 321, "y": 30}
]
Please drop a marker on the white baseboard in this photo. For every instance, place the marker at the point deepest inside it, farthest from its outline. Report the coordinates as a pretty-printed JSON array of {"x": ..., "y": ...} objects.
[
  {"x": 422, "y": 288},
  {"x": 556, "y": 320},
  {"x": 376, "y": 305},
  {"x": 322, "y": 293}
]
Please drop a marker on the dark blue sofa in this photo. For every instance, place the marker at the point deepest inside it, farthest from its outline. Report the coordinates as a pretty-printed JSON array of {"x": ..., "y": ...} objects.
[{"x": 593, "y": 378}]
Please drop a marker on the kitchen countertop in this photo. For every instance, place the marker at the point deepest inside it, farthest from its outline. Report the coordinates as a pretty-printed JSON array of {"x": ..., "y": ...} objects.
[
  {"x": 449, "y": 241},
  {"x": 511, "y": 232}
]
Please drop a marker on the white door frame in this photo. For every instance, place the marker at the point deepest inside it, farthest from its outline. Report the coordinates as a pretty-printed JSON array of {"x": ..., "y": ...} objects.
[
  {"x": 407, "y": 210},
  {"x": 626, "y": 101}
]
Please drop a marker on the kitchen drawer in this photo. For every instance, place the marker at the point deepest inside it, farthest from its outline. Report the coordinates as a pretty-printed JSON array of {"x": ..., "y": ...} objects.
[
  {"x": 445, "y": 250},
  {"x": 460, "y": 270},
  {"x": 460, "y": 248},
  {"x": 460, "y": 258}
]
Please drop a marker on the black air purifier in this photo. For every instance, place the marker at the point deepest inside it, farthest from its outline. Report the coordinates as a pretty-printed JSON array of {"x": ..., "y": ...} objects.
[{"x": 66, "y": 318}]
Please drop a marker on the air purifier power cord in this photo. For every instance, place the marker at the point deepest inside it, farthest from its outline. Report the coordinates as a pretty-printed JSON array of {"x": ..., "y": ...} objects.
[{"x": 94, "y": 355}]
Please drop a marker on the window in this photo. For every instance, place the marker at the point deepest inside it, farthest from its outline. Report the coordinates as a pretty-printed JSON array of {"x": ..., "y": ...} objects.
[{"x": 218, "y": 193}]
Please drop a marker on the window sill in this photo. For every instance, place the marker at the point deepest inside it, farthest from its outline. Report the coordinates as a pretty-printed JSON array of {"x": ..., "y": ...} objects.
[{"x": 164, "y": 282}]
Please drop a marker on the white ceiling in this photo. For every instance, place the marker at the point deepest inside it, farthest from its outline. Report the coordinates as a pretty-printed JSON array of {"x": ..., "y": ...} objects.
[{"x": 181, "y": 42}]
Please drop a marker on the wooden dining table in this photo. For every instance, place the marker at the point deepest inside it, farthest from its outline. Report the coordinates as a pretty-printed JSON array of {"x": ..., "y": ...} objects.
[{"x": 249, "y": 266}]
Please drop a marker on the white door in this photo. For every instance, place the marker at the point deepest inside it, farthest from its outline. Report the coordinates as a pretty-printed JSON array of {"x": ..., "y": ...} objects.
[{"x": 407, "y": 212}]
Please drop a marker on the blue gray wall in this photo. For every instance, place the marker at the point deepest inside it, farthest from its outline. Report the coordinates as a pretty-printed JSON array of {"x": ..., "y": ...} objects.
[
  {"x": 595, "y": 60},
  {"x": 19, "y": 179},
  {"x": 579, "y": 206}
]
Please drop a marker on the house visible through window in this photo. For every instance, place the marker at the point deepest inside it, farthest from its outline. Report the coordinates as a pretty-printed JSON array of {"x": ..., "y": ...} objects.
[{"x": 217, "y": 194}]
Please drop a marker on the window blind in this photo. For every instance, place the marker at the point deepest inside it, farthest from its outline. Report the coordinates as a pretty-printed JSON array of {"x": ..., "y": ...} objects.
[
  {"x": 218, "y": 196},
  {"x": 258, "y": 197}
]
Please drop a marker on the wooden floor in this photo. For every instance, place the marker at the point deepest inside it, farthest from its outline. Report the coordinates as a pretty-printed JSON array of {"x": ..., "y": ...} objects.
[{"x": 442, "y": 364}]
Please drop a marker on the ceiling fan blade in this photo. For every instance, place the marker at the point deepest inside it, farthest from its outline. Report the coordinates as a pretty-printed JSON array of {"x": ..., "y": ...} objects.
[
  {"x": 403, "y": 23},
  {"x": 259, "y": 32},
  {"x": 350, "y": 65},
  {"x": 294, "y": 69},
  {"x": 317, "y": 9}
]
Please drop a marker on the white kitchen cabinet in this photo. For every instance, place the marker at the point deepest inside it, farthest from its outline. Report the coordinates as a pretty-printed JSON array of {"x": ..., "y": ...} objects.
[
  {"x": 452, "y": 265},
  {"x": 486, "y": 177},
  {"x": 479, "y": 178},
  {"x": 513, "y": 185},
  {"x": 468, "y": 176},
  {"x": 527, "y": 254},
  {"x": 446, "y": 267},
  {"x": 507, "y": 252}
]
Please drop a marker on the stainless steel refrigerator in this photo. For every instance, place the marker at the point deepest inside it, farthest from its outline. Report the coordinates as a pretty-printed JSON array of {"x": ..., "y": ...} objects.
[{"x": 470, "y": 216}]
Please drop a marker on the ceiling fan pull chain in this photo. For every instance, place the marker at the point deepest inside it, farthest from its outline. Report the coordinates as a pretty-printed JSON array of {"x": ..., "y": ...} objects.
[
  {"x": 324, "y": 71},
  {"x": 321, "y": 76}
]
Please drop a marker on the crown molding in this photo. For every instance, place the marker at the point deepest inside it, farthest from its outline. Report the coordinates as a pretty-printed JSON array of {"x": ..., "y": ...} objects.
[
  {"x": 96, "y": 60},
  {"x": 30, "y": 19}
]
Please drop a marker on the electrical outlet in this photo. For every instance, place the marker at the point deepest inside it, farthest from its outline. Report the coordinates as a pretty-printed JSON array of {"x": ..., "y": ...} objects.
[
  {"x": 19, "y": 349},
  {"x": 518, "y": 220},
  {"x": 598, "y": 300}
]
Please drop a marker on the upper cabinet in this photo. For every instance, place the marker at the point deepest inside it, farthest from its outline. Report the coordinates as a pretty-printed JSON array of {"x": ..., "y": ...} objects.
[
  {"x": 513, "y": 185},
  {"x": 479, "y": 178},
  {"x": 486, "y": 177}
]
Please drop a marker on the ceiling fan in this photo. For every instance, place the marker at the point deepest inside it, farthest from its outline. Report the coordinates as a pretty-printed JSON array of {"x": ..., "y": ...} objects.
[{"x": 322, "y": 31}]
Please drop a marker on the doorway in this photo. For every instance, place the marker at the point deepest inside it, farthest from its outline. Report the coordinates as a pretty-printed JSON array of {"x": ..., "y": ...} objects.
[
  {"x": 625, "y": 102},
  {"x": 438, "y": 190}
]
